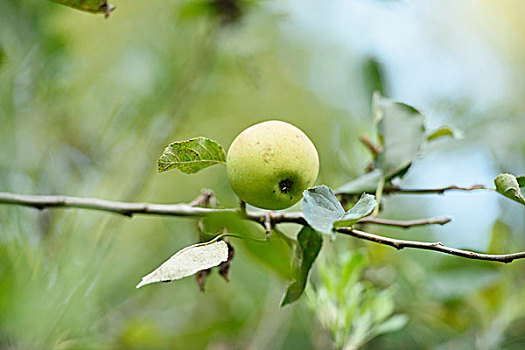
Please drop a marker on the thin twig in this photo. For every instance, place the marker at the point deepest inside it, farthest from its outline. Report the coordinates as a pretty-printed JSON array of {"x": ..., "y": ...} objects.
[
  {"x": 203, "y": 199},
  {"x": 407, "y": 223},
  {"x": 397, "y": 189},
  {"x": 369, "y": 144},
  {"x": 436, "y": 246}
]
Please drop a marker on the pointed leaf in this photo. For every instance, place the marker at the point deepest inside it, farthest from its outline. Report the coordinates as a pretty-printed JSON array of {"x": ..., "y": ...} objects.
[
  {"x": 321, "y": 208},
  {"x": 310, "y": 242},
  {"x": 93, "y": 6},
  {"x": 192, "y": 155},
  {"x": 509, "y": 186},
  {"x": 393, "y": 324},
  {"x": 501, "y": 240},
  {"x": 402, "y": 132},
  {"x": 365, "y": 183},
  {"x": 364, "y": 207},
  {"x": 188, "y": 261}
]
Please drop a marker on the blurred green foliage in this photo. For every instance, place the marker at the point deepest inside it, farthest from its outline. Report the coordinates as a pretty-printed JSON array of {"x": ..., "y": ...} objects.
[{"x": 87, "y": 105}]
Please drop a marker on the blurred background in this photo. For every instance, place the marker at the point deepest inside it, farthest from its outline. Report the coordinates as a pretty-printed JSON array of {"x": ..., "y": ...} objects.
[{"x": 87, "y": 105}]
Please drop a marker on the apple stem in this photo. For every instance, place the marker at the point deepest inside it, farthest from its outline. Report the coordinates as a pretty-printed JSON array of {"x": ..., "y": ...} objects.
[{"x": 242, "y": 207}]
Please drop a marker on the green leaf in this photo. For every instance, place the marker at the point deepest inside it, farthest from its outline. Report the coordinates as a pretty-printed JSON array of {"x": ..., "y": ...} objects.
[
  {"x": 192, "y": 155},
  {"x": 310, "y": 242},
  {"x": 402, "y": 132},
  {"x": 197, "y": 8},
  {"x": 2, "y": 56},
  {"x": 444, "y": 131},
  {"x": 364, "y": 207},
  {"x": 93, "y": 6},
  {"x": 365, "y": 183},
  {"x": 321, "y": 208},
  {"x": 274, "y": 253},
  {"x": 501, "y": 241},
  {"x": 509, "y": 186},
  {"x": 373, "y": 77},
  {"x": 393, "y": 324},
  {"x": 188, "y": 261}
]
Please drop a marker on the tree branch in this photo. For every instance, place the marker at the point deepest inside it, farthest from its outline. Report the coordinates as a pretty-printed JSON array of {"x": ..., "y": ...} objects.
[
  {"x": 397, "y": 189},
  {"x": 435, "y": 246},
  {"x": 265, "y": 218},
  {"x": 190, "y": 210},
  {"x": 405, "y": 224}
]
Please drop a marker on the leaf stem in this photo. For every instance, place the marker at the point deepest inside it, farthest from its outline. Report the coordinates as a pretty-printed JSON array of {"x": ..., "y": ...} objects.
[{"x": 379, "y": 194}]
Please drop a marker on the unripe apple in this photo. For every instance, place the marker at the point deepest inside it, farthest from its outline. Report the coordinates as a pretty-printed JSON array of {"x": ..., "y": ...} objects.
[{"x": 270, "y": 164}]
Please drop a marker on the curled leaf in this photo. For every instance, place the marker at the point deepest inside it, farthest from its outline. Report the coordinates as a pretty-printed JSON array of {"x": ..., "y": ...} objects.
[
  {"x": 321, "y": 208},
  {"x": 364, "y": 207},
  {"x": 188, "y": 261},
  {"x": 323, "y": 211},
  {"x": 509, "y": 186},
  {"x": 444, "y": 131}
]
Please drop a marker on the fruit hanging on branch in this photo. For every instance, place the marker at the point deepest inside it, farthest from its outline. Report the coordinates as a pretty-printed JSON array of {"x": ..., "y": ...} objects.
[{"x": 270, "y": 164}]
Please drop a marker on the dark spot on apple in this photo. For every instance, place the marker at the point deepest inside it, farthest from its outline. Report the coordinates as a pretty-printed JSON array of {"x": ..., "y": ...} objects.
[{"x": 286, "y": 185}]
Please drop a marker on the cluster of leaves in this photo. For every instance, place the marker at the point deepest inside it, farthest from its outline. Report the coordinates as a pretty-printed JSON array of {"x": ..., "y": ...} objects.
[
  {"x": 350, "y": 307},
  {"x": 402, "y": 135}
]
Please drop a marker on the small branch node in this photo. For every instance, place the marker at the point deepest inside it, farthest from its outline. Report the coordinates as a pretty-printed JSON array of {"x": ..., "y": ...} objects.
[
  {"x": 204, "y": 199},
  {"x": 267, "y": 223}
]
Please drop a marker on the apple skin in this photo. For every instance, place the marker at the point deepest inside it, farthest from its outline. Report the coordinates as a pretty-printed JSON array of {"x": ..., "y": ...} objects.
[{"x": 270, "y": 164}]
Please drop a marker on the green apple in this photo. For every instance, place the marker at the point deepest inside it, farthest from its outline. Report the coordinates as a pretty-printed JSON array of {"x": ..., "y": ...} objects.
[{"x": 270, "y": 164}]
